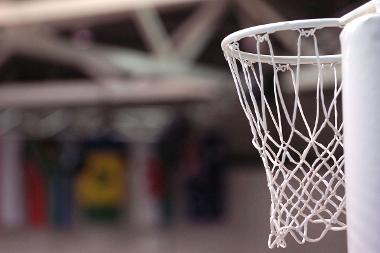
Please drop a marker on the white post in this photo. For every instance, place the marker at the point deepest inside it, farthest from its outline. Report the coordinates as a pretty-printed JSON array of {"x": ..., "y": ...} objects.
[{"x": 360, "y": 41}]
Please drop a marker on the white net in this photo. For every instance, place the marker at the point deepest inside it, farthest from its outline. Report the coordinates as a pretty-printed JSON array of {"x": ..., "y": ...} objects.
[{"x": 298, "y": 135}]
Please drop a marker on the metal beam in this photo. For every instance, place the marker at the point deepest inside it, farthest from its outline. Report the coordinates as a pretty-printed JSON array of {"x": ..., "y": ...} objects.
[
  {"x": 195, "y": 33},
  {"x": 97, "y": 61},
  {"x": 153, "y": 31},
  {"x": 22, "y": 13},
  {"x": 42, "y": 45},
  {"x": 130, "y": 92}
]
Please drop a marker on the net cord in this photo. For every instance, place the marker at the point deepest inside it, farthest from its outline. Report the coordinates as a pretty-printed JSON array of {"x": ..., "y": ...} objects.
[{"x": 292, "y": 214}]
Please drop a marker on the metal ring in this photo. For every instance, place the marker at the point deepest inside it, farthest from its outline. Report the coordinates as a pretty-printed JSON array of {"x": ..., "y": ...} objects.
[{"x": 276, "y": 27}]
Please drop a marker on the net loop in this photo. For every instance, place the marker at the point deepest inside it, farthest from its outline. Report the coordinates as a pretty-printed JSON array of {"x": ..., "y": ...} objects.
[
  {"x": 307, "y": 32},
  {"x": 282, "y": 67},
  {"x": 261, "y": 38}
]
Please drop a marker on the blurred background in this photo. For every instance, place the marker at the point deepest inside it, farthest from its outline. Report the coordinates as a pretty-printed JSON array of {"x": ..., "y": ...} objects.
[{"x": 121, "y": 130}]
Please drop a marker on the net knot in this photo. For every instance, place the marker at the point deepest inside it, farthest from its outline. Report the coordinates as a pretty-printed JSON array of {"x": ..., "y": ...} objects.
[
  {"x": 262, "y": 37},
  {"x": 279, "y": 240},
  {"x": 282, "y": 67},
  {"x": 307, "y": 32},
  {"x": 246, "y": 62},
  {"x": 234, "y": 45},
  {"x": 261, "y": 152}
]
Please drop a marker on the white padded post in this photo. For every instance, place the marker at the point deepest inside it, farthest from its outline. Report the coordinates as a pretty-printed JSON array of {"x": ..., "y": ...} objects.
[{"x": 360, "y": 41}]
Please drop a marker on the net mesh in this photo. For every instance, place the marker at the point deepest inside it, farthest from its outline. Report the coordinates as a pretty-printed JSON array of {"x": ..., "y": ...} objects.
[{"x": 301, "y": 146}]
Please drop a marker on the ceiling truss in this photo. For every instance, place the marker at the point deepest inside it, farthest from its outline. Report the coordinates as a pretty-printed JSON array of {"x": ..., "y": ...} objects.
[{"x": 28, "y": 28}]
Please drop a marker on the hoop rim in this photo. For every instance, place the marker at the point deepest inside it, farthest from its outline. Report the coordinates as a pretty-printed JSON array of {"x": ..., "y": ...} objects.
[{"x": 276, "y": 27}]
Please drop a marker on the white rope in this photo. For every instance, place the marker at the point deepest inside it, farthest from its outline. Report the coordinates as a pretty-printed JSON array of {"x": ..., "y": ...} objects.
[{"x": 304, "y": 192}]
